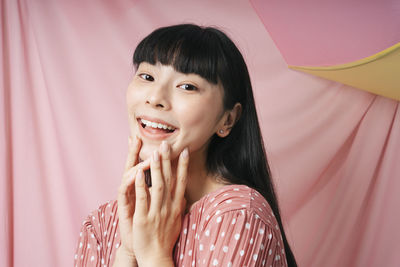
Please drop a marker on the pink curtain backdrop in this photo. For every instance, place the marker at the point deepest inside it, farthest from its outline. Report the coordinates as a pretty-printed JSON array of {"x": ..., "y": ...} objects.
[
  {"x": 334, "y": 150},
  {"x": 318, "y": 33}
]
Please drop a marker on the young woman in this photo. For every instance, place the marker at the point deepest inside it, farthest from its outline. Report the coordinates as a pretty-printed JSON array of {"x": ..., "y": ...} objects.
[{"x": 209, "y": 200}]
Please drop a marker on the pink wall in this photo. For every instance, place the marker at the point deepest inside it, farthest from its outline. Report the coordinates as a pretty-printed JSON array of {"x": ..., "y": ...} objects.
[{"x": 333, "y": 149}]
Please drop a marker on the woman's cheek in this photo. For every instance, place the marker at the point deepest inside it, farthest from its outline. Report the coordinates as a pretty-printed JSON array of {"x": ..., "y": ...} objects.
[{"x": 196, "y": 138}]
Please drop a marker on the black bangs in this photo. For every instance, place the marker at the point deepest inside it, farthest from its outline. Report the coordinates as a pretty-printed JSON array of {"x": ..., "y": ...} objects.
[{"x": 188, "y": 48}]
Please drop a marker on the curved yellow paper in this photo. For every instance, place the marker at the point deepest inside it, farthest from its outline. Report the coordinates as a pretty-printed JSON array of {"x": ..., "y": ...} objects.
[{"x": 378, "y": 74}]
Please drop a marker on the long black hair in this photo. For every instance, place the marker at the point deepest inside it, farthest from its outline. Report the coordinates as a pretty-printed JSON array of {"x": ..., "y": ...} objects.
[{"x": 240, "y": 157}]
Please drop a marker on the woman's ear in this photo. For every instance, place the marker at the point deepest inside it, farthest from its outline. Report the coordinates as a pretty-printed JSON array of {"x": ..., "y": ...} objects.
[{"x": 228, "y": 120}]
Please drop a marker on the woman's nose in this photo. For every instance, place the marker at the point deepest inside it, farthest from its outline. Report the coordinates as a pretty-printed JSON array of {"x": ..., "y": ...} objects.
[{"x": 158, "y": 97}]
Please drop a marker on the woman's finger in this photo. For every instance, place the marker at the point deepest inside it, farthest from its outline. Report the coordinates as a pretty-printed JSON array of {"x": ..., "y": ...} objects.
[
  {"x": 166, "y": 166},
  {"x": 183, "y": 164},
  {"x": 157, "y": 184},
  {"x": 133, "y": 154},
  {"x": 125, "y": 189},
  {"x": 141, "y": 205}
]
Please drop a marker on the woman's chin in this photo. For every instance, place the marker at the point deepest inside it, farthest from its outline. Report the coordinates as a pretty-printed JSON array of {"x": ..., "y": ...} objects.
[{"x": 145, "y": 153}]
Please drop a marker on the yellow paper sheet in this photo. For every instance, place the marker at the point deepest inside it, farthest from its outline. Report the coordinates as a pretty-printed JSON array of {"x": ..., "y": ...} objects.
[{"x": 378, "y": 74}]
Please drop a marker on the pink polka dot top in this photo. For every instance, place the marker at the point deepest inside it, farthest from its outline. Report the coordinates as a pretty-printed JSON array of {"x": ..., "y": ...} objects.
[{"x": 232, "y": 226}]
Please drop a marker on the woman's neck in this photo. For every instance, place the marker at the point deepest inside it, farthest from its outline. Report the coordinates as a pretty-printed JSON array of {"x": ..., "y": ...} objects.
[{"x": 199, "y": 181}]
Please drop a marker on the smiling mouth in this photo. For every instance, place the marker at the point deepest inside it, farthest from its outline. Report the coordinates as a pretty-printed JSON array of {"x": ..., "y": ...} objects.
[{"x": 157, "y": 127}]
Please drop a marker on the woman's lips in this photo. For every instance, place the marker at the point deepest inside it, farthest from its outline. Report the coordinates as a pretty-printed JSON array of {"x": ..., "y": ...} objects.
[
  {"x": 154, "y": 133},
  {"x": 147, "y": 119}
]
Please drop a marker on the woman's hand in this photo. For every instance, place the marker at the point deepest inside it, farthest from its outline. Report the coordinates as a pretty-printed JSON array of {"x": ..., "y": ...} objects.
[
  {"x": 158, "y": 212},
  {"x": 126, "y": 204}
]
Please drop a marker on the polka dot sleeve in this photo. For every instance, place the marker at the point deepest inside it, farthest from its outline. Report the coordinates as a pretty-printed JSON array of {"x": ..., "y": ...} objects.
[
  {"x": 98, "y": 238},
  {"x": 86, "y": 252},
  {"x": 239, "y": 238}
]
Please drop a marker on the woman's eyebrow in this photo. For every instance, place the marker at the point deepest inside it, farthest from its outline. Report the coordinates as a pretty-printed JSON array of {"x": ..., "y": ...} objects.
[{"x": 147, "y": 69}]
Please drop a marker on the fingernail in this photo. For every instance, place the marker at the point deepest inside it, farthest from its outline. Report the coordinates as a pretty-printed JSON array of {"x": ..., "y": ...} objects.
[
  {"x": 164, "y": 146},
  {"x": 185, "y": 153},
  {"x": 156, "y": 156}
]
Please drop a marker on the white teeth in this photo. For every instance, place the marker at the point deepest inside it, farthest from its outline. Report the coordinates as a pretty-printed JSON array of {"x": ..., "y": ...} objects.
[{"x": 156, "y": 125}]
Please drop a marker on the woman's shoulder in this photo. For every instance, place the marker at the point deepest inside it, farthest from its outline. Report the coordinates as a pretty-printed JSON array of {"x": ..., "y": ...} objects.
[
  {"x": 102, "y": 217},
  {"x": 105, "y": 210},
  {"x": 235, "y": 198}
]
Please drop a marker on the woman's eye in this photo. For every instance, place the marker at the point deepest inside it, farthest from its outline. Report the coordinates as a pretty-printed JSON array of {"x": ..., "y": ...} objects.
[
  {"x": 146, "y": 77},
  {"x": 188, "y": 87}
]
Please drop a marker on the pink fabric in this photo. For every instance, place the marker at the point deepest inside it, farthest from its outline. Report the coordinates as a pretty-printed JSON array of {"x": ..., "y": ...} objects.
[
  {"x": 233, "y": 226},
  {"x": 333, "y": 149},
  {"x": 323, "y": 33}
]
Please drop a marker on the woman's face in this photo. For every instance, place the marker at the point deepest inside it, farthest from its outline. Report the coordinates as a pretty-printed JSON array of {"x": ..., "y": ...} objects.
[{"x": 183, "y": 109}]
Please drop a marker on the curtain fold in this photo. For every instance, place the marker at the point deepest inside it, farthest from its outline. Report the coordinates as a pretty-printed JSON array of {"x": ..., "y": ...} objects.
[{"x": 333, "y": 149}]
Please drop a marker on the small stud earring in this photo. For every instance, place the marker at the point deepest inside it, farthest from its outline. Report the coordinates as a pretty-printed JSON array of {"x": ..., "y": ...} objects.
[{"x": 221, "y": 131}]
